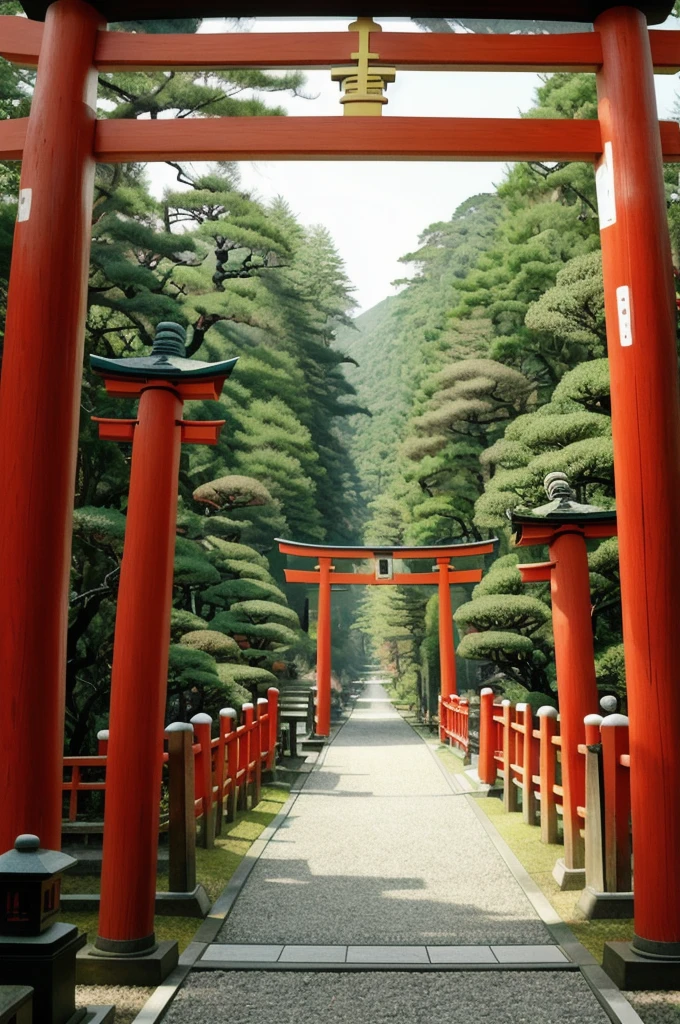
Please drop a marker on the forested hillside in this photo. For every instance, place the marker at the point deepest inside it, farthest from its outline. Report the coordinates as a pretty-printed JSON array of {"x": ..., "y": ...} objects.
[{"x": 486, "y": 372}]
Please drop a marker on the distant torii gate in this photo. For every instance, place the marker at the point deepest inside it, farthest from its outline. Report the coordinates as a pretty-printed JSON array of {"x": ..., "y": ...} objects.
[{"x": 325, "y": 576}]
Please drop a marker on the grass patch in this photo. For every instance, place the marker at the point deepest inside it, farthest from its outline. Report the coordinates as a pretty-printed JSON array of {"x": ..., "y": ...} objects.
[
  {"x": 214, "y": 868},
  {"x": 451, "y": 761},
  {"x": 538, "y": 859}
]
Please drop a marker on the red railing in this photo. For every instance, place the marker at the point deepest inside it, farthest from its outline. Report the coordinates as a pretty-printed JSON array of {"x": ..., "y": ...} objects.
[
  {"x": 527, "y": 759},
  {"x": 224, "y": 766},
  {"x": 454, "y": 722}
]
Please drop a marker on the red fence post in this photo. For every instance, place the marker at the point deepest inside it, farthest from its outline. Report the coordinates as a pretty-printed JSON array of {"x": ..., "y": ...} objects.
[
  {"x": 244, "y": 742},
  {"x": 202, "y": 724},
  {"x": 509, "y": 787},
  {"x": 228, "y": 719},
  {"x": 273, "y": 698},
  {"x": 614, "y": 732},
  {"x": 39, "y": 419},
  {"x": 548, "y": 728},
  {"x": 487, "y": 734},
  {"x": 102, "y": 742},
  {"x": 529, "y": 801},
  {"x": 261, "y": 737}
]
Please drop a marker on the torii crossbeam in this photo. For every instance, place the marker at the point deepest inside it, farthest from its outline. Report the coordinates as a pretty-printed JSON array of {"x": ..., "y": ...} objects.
[{"x": 324, "y": 575}]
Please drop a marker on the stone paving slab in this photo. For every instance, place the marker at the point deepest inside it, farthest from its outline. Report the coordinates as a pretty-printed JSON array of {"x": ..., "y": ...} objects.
[
  {"x": 380, "y": 851},
  {"x": 262, "y": 997},
  {"x": 375, "y": 955}
]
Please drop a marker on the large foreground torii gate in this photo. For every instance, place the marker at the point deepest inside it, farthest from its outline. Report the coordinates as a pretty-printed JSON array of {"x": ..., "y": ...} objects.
[
  {"x": 324, "y": 575},
  {"x": 60, "y": 144}
]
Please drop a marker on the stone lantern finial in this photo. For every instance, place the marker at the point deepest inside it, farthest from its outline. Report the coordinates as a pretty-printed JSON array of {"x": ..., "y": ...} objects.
[{"x": 557, "y": 486}]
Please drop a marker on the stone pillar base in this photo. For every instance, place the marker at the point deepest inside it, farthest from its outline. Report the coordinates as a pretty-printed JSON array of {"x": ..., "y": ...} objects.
[
  {"x": 569, "y": 878},
  {"x": 629, "y": 970},
  {"x": 598, "y": 906},
  {"x": 149, "y": 969}
]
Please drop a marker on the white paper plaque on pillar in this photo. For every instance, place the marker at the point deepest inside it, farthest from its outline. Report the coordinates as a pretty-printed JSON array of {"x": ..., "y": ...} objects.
[{"x": 604, "y": 183}]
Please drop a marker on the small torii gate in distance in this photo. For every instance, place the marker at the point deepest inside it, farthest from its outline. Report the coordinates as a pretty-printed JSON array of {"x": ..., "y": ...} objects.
[{"x": 324, "y": 575}]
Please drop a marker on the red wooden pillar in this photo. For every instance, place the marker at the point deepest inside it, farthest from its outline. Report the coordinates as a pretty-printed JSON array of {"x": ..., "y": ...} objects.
[
  {"x": 641, "y": 333},
  {"x": 576, "y": 683},
  {"x": 323, "y": 649},
  {"x": 39, "y": 415},
  {"x": 139, "y": 679},
  {"x": 447, "y": 654},
  {"x": 487, "y": 737}
]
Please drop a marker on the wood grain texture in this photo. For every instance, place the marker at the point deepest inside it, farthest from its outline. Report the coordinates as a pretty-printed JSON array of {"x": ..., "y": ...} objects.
[
  {"x": 140, "y": 667},
  {"x": 13, "y": 138},
  {"x": 338, "y": 138},
  {"x": 39, "y": 420},
  {"x": 291, "y": 547},
  {"x": 636, "y": 253},
  {"x": 117, "y": 51},
  {"x": 20, "y": 40}
]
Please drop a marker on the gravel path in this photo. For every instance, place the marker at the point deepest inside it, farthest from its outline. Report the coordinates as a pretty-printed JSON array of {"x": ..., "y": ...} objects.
[
  {"x": 378, "y": 850},
  {"x": 259, "y": 997}
]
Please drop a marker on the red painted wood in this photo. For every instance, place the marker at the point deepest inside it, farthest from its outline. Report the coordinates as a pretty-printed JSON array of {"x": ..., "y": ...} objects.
[
  {"x": 536, "y": 572},
  {"x": 201, "y": 431},
  {"x": 575, "y": 669},
  {"x": 646, "y": 430},
  {"x": 548, "y": 728},
  {"x": 421, "y": 579},
  {"x": 118, "y": 51},
  {"x": 323, "y": 650},
  {"x": 354, "y": 138},
  {"x": 13, "y": 138},
  {"x": 487, "y": 735},
  {"x": 39, "y": 416},
  {"x": 13, "y": 134},
  {"x": 447, "y": 652},
  {"x": 139, "y": 675},
  {"x": 20, "y": 40},
  {"x": 290, "y": 547}
]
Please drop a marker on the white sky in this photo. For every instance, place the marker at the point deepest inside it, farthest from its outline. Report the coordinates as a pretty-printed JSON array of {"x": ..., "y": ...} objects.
[{"x": 376, "y": 210}]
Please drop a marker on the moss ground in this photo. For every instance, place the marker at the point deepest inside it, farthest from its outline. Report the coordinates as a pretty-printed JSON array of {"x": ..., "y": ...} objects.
[{"x": 539, "y": 860}]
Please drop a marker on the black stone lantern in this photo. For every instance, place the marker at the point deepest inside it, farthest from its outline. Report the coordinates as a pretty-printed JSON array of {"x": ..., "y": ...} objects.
[
  {"x": 35, "y": 949},
  {"x": 30, "y": 887}
]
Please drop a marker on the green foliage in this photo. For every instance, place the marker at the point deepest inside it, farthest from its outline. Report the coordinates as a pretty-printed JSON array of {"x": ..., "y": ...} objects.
[
  {"x": 182, "y": 622},
  {"x": 219, "y": 646}
]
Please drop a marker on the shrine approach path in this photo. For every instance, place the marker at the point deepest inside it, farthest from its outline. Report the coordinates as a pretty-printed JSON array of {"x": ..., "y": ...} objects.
[{"x": 381, "y": 864}]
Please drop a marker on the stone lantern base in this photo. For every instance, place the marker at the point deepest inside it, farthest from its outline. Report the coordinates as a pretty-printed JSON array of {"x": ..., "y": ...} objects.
[{"x": 47, "y": 963}]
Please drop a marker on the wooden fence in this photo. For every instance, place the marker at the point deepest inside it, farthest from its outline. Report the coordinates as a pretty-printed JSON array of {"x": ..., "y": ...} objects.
[
  {"x": 523, "y": 750},
  {"x": 454, "y": 722},
  {"x": 208, "y": 777}
]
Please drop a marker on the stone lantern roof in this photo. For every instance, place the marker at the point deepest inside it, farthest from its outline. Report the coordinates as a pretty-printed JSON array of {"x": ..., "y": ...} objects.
[
  {"x": 168, "y": 361},
  {"x": 562, "y": 508},
  {"x": 29, "y": 860}
]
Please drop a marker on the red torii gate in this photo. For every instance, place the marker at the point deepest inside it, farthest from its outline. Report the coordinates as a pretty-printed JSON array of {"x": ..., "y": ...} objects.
[
  {"x": 39, "y": 399},
  {"x": 324, "y": 576}
]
